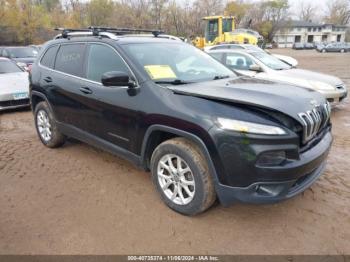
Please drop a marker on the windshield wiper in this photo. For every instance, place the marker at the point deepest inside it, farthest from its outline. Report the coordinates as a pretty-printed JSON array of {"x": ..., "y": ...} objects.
[
  {"x": 173, "y": 82},
  {"x": 220, "y": 77}
]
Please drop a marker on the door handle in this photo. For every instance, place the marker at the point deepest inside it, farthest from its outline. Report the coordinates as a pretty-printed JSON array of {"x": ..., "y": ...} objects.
[
  {"x": 85, "y": 90},
  {"x": 48, "y": 79}
]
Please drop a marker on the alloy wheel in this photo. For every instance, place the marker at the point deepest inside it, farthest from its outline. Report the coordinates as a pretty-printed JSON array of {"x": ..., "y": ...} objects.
[
  {"x": 44, "y": 126},
  {"x": 176, "y": 179}
]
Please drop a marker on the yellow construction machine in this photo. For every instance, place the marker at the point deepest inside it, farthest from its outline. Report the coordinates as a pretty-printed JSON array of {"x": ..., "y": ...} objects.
[{"x": 222, "y": 30}]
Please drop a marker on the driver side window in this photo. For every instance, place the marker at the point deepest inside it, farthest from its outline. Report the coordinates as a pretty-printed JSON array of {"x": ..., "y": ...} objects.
[
  {"x": 238, "y": 61},
  {"x": 103, "y": 59}
]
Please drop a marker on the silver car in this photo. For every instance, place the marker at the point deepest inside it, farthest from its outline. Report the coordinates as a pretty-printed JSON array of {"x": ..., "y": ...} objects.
[
  {"x": 267, "y": 67},
  {"x": 14, "y": 85},
  {"x": 333, "y": 47},
  {"x": 287, "y": 59}
]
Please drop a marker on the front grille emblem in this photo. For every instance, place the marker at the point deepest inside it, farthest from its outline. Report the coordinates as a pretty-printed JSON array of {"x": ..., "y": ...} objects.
[{"x": 314, "y": 120}]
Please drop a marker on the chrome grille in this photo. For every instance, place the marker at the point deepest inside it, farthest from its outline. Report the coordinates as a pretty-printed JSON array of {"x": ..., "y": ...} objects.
[{"x": 314, "y": 120}]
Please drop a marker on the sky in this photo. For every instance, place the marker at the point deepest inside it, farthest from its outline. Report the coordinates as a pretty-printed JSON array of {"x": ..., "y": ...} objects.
[{"x": 321, "y": 4}]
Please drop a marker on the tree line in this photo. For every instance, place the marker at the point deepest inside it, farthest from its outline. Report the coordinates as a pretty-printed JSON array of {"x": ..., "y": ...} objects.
[{"x": 32, "y": 21}]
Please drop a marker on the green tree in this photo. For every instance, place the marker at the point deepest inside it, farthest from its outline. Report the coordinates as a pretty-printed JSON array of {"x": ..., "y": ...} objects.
[
  {"x": 99, "y": 12},
  {"x": 269, "y": 16},
  {"x": 338, "y": 12},
  {"x": 238, "y": 9}
]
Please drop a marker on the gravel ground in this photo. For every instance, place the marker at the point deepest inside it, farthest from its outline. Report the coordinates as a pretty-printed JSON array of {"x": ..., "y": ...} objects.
[{"x": 80, "y": 200}]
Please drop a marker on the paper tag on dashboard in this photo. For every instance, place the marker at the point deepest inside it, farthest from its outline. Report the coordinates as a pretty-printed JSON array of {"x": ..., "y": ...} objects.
[{"x": 160, "y": 71}]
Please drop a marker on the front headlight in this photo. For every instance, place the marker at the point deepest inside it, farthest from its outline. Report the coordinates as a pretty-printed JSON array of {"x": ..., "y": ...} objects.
[{"x": 249, "y": 127}]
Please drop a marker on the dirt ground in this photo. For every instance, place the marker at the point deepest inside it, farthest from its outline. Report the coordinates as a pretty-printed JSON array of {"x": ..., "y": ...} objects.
[{"x": 80, "y": 200}]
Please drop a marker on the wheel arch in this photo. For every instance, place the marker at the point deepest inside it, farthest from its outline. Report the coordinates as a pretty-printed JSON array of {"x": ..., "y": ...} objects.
[
  {"x": 37, "y": 97},
  {"x": 150, "y": 143}
]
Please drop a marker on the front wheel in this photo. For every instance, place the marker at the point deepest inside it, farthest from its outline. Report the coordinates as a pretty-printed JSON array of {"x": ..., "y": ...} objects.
[
  {"x": 342, "y": 51},
  {"x": 46, "y": 126},
  {"x": 181, "y": 176},
  {"x": 324, "y": 51}
]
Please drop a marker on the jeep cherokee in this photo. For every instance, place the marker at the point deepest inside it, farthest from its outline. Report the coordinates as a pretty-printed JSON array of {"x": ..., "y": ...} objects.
[{"x": 203, "y": 132}]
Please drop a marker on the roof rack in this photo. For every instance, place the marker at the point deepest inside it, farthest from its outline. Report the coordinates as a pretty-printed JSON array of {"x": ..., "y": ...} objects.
[
  {"x": 123, "y": 31},
  {"x": 96, "y": 31}
]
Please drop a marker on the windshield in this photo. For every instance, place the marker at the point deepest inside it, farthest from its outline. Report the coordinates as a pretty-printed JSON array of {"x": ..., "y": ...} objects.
[
  {"x": 254, "y": 48},
  {"x": 271, "y": 61},
  {"x": 176, "y": 61},
  {"x": 22, "y": 52},
  {"x": 8, "y": 67}
]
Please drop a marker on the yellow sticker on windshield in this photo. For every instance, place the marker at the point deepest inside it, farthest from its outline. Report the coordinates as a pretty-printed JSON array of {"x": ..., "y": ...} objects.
[{"x": 160, "y": 71}]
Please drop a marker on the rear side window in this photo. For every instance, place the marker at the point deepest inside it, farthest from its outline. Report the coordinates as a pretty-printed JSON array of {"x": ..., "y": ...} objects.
[
  {"x": 48, "y": 59},
  {"x": 70, "y": 59},
  {"x": 217, "y": 56},
  {"x": 103, "y": 59},
  {"x": 5, "y": 53},
  {"x": 238, "y": 61}
]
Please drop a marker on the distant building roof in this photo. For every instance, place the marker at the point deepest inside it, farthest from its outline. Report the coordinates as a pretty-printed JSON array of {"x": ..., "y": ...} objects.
[{"x": 298, "y": 23}]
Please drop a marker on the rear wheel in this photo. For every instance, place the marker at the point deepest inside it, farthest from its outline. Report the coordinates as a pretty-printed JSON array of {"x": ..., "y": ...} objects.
[
  {"x": 46, "y": 126},
  {"x": 324, "y": 51},
  {"x": 342, "y": 51},
  {"x": 181, "y": 176}
]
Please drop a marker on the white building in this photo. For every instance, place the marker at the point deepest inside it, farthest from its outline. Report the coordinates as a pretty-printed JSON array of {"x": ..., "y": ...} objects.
[{"x": 309, "y": 32}]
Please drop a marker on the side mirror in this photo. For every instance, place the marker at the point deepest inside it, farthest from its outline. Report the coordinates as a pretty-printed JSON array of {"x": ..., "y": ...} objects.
[
  {"x": 255, "y": 68},
  {"x": 117, "y": 78}
]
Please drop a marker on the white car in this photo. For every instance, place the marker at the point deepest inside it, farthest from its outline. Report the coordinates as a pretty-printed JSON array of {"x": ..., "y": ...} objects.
[
  {"x": 267, "y": 67},
  {"x": 14, "y": 85},
  {"x": 287, "y": 59}
]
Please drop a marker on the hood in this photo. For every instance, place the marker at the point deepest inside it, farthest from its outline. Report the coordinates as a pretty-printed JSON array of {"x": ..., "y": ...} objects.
[
  {"x": 14, "y": 83},
  {"x": 287, "y": 59},
  {"x": 27, "y": 60},
  {"x": 309, "y": 76},
  {"x": 290, "y": 100}
]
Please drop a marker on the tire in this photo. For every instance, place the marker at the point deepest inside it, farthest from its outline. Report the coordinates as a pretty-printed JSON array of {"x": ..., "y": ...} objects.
[
  {"x": 342, "y": 51},
  {"x": 46, "y": 127},
  {"x": 323, "y": 51},
  {"x": 200, "y": 193}
]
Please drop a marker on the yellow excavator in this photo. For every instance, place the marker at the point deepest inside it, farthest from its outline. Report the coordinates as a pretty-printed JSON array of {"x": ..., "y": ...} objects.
[{"x": 222, "y": 30}]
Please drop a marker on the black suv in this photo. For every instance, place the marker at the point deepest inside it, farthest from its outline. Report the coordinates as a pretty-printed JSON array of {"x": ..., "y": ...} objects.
[{"x": 202, "y": 131}]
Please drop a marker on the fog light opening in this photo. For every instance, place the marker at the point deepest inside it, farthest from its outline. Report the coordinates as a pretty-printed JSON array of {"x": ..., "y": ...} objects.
[{"x": 272, "y": 158}]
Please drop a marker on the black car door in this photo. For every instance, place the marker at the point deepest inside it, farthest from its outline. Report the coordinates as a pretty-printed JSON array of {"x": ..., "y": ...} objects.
[
  {"x": 110, "y": 112},
  {"x": 66, "y": 85}
]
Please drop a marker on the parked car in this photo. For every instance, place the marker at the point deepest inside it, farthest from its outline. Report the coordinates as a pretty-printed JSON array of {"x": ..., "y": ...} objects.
[
  {"x": 170, "y": 108},
  {"x": 266, "y": 67},
  {"x": 14, "y": 85},
  {"x": 333, "y": 47},
  {"x": 309, "y": 46},
  {"x": 287, "y": 59},
  {"x": 36, "y": 47},
  {"x": 298, "y": 46},
  {"x": 347, "y": 46},
  {"x": 23, "y": 56}
]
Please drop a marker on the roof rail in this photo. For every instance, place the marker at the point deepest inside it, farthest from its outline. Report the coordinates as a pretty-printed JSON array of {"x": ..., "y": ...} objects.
[
  {"x": 123, "y": 31},
  {"x": 96, "y": 31}
]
